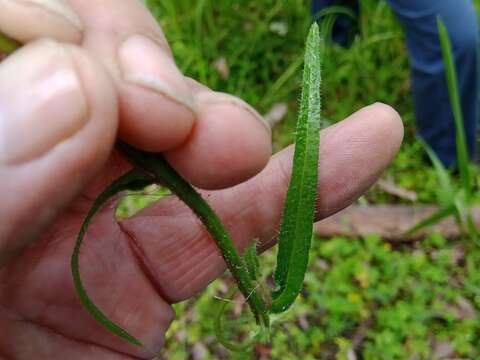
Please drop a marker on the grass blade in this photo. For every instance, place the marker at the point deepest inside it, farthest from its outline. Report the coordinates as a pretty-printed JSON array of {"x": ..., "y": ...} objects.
[
  {"x": 452, "y": 83},
  {"x": 432, "y": 219},
  {"x": 472, "y": 228},
  {"x": 444, "y": 179},
  {"x": 335, "y": 10},
  {"x": 296, "y": 230}
]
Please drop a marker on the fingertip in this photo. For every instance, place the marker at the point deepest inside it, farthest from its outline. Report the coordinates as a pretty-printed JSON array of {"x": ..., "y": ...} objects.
[
  {"x": 387, "y": 125},
  {"x": 151, "y": 120},
  {"x": 228, "y": 145},
  {"x": 156, "y": 104},
  {"x": 390, "y": 122},
  {"x": 355, "y": 152},
  {"x": 58, "y": 122},
  {"x": 102, "y": 102}
]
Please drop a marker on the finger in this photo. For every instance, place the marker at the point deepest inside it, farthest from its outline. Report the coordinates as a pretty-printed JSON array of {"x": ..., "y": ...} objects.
[
  {"x": 58, "y": 122},
  {"x": 181, "y": 257},
  {"x": 126, "y": 37},
  {"x": 161, "y": 110},
  {"x": 37, "y": 289},
  {"x": 230, "y": 140},
  {"x": 27, "y": 20},
  {"x": 156, "y": 105}
]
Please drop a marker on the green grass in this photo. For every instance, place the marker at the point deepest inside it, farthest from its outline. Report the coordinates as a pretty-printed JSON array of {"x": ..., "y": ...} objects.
[
  {"x": 454, "y": 201},
  {"x": 395, "y": 302}
]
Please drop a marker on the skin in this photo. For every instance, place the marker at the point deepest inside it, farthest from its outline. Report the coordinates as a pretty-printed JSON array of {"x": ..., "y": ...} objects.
[{"x": 54, "y": 162}]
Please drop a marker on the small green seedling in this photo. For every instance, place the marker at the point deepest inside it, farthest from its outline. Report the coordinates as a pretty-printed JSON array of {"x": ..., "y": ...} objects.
[
  {"x": 454, "y": 201},
  {"x": 298, "y": 213}
]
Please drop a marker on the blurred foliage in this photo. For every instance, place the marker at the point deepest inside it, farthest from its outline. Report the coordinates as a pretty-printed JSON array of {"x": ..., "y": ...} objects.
[{"x": 362, "y": 297}]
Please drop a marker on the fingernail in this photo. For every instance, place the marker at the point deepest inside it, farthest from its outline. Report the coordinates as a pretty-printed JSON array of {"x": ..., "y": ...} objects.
[
  {"x": 57, "y": 7},
  {"x": 41, "y": 105},
  {"x": 214, "y": 98},
  {"x": 146, "y": 64}
]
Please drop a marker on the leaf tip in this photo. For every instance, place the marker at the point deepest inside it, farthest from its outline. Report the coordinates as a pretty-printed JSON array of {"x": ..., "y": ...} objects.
[
  {"x": 314, "y": 33},
  {"x": 136, "y": 342}
]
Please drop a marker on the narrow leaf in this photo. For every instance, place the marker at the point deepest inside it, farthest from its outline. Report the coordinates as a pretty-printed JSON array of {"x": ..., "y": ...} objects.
[
  {"x": 296, "y": 229},
  {"x": 224, "y": 333},
  {"x": 452, "y": 83},
  {"x": 432, "y": 219},
  {"x": 130, "y": 181},
  {"x": 250, "y": 257},
  {"x": 443, "y": 176},
  {"x": 472, "y": 228}
]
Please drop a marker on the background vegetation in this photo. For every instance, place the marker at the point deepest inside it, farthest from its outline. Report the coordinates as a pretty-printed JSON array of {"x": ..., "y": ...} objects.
[{"x": 364, "y": 298}]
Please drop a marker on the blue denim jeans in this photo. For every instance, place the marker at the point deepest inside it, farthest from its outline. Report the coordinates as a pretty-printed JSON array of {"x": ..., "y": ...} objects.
[{"x": 432, "y": 106}]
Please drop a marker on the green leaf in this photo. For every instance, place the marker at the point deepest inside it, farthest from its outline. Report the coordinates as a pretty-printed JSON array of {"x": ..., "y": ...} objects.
[
  {"x": 159, "y": 169},
  {"x": 328, "y": 17},
  {"x": 225, "y": 331},
  {"x": 452, "y": 83},
  {"x": 252, "y": 263},
  {"x": 432, "y": 219},
  {"x": 7, "y": 45},
  {"x": 152, "y": 168},
  {"x": 130, "y": 181},
  {"x": 298, "y": 216},
  {"x": 472, "y": 228},
  {"x": 446, "y": 188}
]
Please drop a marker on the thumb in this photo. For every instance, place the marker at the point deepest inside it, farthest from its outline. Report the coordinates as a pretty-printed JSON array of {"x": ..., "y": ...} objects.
[{"x": 58, "y": 121}]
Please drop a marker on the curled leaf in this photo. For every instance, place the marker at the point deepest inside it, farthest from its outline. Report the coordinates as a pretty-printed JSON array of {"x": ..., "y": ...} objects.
[{"x": 130, "y": 181}]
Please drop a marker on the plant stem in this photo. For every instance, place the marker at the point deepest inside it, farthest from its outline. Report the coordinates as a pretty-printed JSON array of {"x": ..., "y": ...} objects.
[{"x": 155, "y": 165}]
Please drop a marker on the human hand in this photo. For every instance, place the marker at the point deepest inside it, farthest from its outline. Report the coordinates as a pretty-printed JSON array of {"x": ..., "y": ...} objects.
[{"x": 61, "y": 108}]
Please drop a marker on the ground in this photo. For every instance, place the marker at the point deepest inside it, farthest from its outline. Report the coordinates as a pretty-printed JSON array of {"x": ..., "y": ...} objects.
[{"x": 364, "y": 298}]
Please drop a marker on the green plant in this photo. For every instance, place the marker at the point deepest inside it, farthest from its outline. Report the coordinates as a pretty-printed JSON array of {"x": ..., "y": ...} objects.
[
  {"x": 361, "y": 294},
  {"x": 455, "y": 201},
  {"x": 7, "y": 45},
  {"x": 298, "y": 216},
  {"x": 353, "y": 287}
]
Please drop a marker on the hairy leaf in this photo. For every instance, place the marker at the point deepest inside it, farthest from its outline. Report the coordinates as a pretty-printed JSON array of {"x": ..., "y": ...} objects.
[
  {"x": 164, "y": 174},
  {"x": 298, "y": 215},
  {"x": 250, "y": 257}
]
